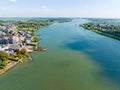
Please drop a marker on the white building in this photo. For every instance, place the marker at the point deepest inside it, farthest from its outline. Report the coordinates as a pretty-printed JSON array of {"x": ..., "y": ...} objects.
[{"x": 15, "y": 39}]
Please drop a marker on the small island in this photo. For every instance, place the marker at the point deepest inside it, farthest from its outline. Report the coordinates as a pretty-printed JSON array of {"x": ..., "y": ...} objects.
[
  {"x": 18, "y": 39},
  {"x": 106, "y": 27}
]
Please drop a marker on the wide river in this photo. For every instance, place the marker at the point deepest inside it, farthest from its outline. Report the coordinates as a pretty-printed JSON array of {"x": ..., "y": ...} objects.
[{"x": 76, "y": 59}]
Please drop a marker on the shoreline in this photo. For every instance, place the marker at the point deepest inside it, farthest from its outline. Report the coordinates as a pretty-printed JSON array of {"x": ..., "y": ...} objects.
[
  {"x": 8, "y": 67},
  {"x": 14, "y": 63},
  {"x": 35, "y": 48},
  {"x": 11, "y": 65},
  {"x": 103, "y": 33},
  {"x": 107, "y": 35}
]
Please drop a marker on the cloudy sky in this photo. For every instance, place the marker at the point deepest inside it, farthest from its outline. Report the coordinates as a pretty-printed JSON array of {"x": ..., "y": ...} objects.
[{"x": 60, "y": 8}]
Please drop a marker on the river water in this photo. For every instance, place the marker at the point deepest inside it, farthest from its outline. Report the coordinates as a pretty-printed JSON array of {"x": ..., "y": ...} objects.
[{"x": 76, "y": 59}]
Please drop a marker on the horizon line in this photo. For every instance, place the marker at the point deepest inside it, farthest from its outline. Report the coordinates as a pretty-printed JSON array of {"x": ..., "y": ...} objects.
[{"x": 58, "y": 17}]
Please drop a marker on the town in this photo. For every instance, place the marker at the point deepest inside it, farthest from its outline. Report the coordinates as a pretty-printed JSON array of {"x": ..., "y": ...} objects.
[
  {"x": 18, "y": 39},
  {"x": 11, "y": 39},
  {"x": 15, "y": 44}
]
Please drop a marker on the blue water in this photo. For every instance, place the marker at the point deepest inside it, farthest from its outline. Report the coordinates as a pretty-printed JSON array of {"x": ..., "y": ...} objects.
[
  {"x": 76, "y": 59},
  {"x": 102, "y": 49}
]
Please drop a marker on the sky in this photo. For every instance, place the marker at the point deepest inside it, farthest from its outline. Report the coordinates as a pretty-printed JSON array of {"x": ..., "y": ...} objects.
[{"x": 60, "y": 8}]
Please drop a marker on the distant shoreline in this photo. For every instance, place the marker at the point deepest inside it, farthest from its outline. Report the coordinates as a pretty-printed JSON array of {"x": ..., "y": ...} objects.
[{"x": 107, "y": 28}]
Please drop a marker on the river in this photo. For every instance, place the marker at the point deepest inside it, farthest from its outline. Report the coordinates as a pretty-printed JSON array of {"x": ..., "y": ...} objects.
[{"x": 76, "y": 59}]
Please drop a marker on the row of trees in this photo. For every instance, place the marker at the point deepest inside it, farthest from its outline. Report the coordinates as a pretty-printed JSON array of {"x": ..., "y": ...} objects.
[
  {"x": 31, "y": 25},
  {"x": 6, "y": 58},
  {"x": 107, "y": 27}
]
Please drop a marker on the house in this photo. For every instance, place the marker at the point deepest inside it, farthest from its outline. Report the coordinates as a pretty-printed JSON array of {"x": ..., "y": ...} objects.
[
  {"x": 3, "y": 48},
  {"x": 29, "y": 37},
  {"x": 6, "y": 40},
  {"x": 15, "y": 39},
  {"x": 21, "y": 32},
  {"x": 22, "y": 38},
  {"x": 28, "y": 41},
  {"x": 15, "y": 33},
  {"x": 1, "y": 34},
  {"x": 14, "y": 47}
]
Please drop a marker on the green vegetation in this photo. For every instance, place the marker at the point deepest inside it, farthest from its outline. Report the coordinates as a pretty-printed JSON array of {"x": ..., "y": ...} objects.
[
  {"x": 31, "y": 25},
  {"x": 60, "y": 20},
  {"x": 107, "y": 27},
  {"x": 4, "y": 59},
  {"x": 35, "y": 39},
  {"x": 36, "y": 23},
  {"x": 22, "y": 53}
]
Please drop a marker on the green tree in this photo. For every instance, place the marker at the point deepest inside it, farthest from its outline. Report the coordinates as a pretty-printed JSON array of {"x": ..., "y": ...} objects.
[
  {"x": 23, "y": 51},
  {"x": 4, "y": 56},
  {"x": 35, "y": 39}
]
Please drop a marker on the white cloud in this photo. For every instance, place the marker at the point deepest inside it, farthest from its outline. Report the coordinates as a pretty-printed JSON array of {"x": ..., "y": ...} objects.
[
  {"x": 43, "y": 6},
  {"x": 26, "y": 12},
  {"x": 12, "y": 0}
]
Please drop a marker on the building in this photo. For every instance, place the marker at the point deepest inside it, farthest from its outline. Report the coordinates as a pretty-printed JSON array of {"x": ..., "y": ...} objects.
[{"x": 6, "y": 40}]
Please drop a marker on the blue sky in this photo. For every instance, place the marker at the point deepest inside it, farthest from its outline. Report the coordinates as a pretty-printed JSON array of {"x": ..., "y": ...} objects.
[{"x": 60, "y": 8}]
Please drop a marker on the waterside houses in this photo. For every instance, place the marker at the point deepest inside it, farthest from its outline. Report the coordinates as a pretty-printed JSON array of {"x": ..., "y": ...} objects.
[{"x": 12, "y": 39}]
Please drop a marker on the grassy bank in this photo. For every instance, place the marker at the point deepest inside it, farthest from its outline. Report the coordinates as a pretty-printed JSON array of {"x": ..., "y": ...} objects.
[
  {"x": 105, "y": 34},
  {"x": 9, "y": 66},
  {"x": 106, "y": 27}
]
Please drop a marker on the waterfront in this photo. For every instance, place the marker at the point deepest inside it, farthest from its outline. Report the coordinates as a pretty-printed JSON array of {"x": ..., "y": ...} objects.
[{"x": 77, "y": 59}]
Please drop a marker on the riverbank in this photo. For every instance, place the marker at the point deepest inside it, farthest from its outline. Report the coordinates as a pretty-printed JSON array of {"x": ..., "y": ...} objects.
[
  {"x": 105, "y": 34},
  {"x": 27, "y": 42},
  {"x": 8, "y": 67},
  {"x": 106, "y": 27},
  {"x": 20, "y": 55},
  {"x": 12, "y": 64}
]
